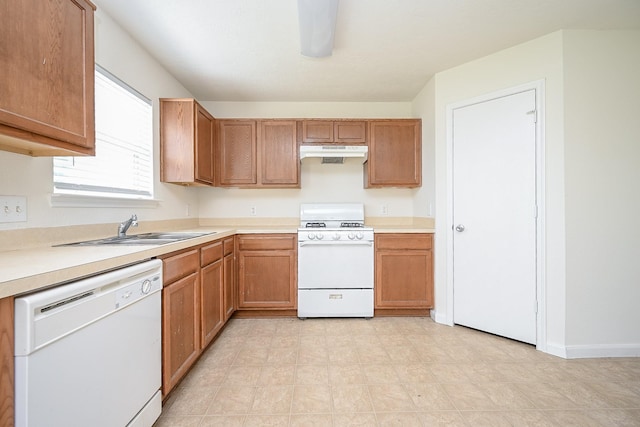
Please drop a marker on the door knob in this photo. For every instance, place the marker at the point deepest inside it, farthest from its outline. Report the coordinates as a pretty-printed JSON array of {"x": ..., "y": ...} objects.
[{"x": 459, "y": 228}]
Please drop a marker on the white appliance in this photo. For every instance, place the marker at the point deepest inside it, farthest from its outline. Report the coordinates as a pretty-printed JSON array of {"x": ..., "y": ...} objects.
[
  {"x": 334, "y": 153},
  {"x": 335, "y": 261},
  {"x": 88, "y": 353}
]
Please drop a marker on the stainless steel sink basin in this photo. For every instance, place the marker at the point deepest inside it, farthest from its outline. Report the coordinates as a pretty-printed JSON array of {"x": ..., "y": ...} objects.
[{"x": 140, "y": 239}]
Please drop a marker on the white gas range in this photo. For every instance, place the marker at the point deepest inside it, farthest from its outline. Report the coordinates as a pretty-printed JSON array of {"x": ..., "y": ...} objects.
[{"x": 335, "y": 261}]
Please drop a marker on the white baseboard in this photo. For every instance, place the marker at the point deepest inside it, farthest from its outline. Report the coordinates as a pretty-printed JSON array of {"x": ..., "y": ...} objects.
[
  {"x": 439, "y": 318},
  {"x": 602, "y": 350}
]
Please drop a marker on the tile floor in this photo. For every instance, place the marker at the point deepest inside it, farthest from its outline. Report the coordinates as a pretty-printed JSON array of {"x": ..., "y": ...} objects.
[{"x": 395, "y": 372}]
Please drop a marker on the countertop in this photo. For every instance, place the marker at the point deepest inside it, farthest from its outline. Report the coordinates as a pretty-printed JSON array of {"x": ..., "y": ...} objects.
[{"x": 33, "y": 268}]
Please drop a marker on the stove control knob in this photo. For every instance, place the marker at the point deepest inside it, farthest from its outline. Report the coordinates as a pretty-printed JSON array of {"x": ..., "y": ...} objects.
[
  {"x": 359, "y": 235},
  {"x": 351, "y": 236},
  {"x": 311, "y": 236},
  {"x": 336, "y": 236},
  {"x": 320, "y": 236}
]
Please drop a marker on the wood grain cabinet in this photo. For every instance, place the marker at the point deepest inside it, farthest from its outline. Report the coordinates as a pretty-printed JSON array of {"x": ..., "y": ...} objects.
[
  {"x": 258, "y": 153},
  {"x": 403, "y": 271},
  {"x": 267, "y": 266},
  {"x": 180, "y": 316},
  {"x": 333, "y": 131},
  {"x": 47, "y": 84},
  {"x": 395, "y": 154},
  {"x": 187, "y": 133},
  {"x": 229, "y": 273},
  {"x": 7, "y": 372},
  {"x": 211, "y": 292}
]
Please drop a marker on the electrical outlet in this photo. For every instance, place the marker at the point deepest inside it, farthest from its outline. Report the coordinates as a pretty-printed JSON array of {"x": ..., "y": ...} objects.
[
  {"x": 384, "y": 209},
  {"x": 252, "y": 211},
  {"x": 13, "y": 209}
]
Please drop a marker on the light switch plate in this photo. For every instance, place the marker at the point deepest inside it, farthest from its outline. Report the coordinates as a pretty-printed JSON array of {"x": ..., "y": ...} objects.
[{"x": 13, "y": 209}]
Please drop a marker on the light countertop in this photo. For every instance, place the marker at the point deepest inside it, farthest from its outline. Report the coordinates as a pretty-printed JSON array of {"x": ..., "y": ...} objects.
[{"x": 33, "y": 268}]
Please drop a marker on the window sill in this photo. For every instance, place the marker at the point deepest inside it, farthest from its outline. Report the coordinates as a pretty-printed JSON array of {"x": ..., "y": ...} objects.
[{"x": 77, "y": 201}]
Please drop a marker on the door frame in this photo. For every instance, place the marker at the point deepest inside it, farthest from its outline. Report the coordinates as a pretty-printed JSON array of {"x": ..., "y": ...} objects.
[{"x": 538, "y": 87}]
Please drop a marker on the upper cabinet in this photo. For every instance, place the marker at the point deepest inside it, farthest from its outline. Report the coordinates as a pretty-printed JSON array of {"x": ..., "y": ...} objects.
[
  {"x": 187, "y": 134},
  {"x": 258, "y": 153},
  {"x": 333, "y": 131},
  {"x": 47, "y": 84},
  {"x": 395, "y": 154}
]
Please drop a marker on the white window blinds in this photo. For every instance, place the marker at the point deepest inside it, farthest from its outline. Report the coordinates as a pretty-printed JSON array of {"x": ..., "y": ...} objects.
[{"x": 123, "y": 164}]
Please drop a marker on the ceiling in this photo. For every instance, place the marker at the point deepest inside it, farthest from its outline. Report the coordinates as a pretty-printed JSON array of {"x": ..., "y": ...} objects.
[{"x": 248, "y": 50}]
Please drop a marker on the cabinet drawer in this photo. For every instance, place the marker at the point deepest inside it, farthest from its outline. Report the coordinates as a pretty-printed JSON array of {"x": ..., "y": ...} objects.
[
  {"x": 180, "y": 265},
  {"x": 268, "y": 242},
  {"x": 210, "y": 253},
  {"x": 404, "y": 241},
  {"x": 228, "y": 246}
]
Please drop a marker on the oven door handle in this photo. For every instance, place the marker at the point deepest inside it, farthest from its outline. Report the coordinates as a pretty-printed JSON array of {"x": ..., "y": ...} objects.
[{"x": 335, "y": 243}]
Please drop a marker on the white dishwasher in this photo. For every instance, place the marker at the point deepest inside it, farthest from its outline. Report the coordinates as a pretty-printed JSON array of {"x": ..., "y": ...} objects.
[{"x": 88, "y": 353}]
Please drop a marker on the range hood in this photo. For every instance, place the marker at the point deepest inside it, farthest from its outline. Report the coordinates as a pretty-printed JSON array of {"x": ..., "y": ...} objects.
[{"x": 334, "y": 153}]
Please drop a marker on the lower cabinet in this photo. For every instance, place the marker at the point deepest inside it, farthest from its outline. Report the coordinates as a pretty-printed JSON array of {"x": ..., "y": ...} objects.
[
  {"x": 211, "y": 292},
  {"x": 180, "y": 316},
  {"x": 267, "y": 271},
  {"x": 197, "y": 300},
  {"x": 403, "y": 271}
]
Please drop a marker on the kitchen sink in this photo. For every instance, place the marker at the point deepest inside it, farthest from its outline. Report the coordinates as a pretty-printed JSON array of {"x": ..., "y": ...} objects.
[{"x": 140, "y": 239}]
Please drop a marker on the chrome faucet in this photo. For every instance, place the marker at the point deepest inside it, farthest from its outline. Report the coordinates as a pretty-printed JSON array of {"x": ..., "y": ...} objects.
[{"x": 124, "y": 226}]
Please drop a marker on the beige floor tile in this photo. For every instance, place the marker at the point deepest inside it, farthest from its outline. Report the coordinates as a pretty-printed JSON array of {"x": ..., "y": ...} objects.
[
  {"x": 361, "y": 419},
  {"x": 311, "y": 399},
  {"x": 441, "y": 419},
  {"x": 312, "y": 374},
  {"x": 310, "y": 420},
  {"x": 429, "y": 397},
  {"x": 398, "y": 419},
  {"x": 178, "y": 421},
  {"x": 272, "y": 399},
  {"x": 468, "y": 397},
  {"x": 390, "y": 398},
  {"x": 232, "y": 399},
  {"x": 545, "y": 396},
  {"x": 413, "y": 373},
  {"x": 381, "y": 374},
  {"x": 277, "y": 375},
  {"x": 192, "y": 400},
  {"x": 350, "y": 398},
  {"x": 242, "y": 375},
  {"x": 394, "y": 371},
  {"x": 346, "y": 374},
  {"x": 266, "y": 421},
  {"x": 222, "y": 421}
]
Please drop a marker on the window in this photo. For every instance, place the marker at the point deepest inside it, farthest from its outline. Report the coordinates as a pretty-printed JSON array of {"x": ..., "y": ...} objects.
[{"x": 123, "y": 164}]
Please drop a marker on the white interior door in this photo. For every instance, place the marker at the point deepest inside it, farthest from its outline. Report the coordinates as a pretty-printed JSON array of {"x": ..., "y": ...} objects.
[{"x": 494, "y": 216}]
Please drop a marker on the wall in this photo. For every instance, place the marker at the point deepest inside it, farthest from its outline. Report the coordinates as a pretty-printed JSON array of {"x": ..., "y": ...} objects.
[
  {"x": 538, "y": 59},
  {"x": 602, "y": 166},
  {"x": 32, "y": 177},
  {"x": 320, "y": 183}
]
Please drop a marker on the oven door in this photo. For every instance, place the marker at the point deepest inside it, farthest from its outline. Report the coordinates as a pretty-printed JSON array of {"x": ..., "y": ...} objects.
[{"x": 335, "y": 265}]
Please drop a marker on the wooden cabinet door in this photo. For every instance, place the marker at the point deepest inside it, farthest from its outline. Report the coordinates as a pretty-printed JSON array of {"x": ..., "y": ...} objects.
[
  {"x": 318, "y": 131},
  {"x": 229, "y": 274},
  {"x": 7, "y": 375},
  {"x": 204, "y": 146},
  {"x": 280, "y": 160},
  {"x": 395, "y": 158},
  {"x": 237, "y": 152},
  {"x": 266, "y": 280},
  {"x": 403, "y": 271},
  {"x": 211, "y": 301},
  {"x": 186, "y": 142},
  {"x": 180, "y": 329},
  {"x": 47, "y": 84},
  {"x": 350, "y": 131}
]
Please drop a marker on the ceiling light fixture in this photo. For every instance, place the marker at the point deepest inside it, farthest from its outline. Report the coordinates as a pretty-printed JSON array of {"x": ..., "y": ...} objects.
[{"x": 317, "y": 26}]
